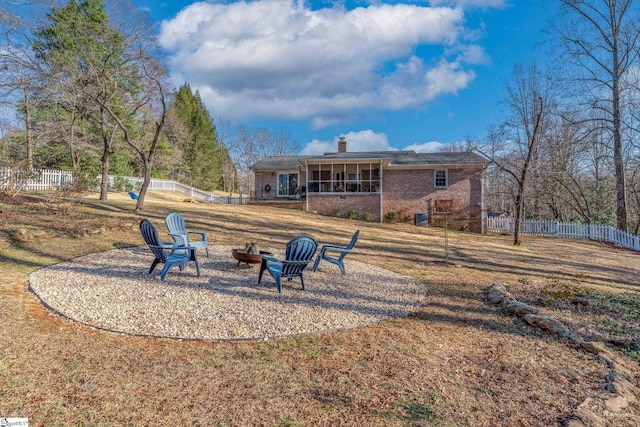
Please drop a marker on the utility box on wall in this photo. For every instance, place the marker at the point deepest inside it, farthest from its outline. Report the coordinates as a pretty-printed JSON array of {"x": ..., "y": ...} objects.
[{"x": 422, "y": 219}]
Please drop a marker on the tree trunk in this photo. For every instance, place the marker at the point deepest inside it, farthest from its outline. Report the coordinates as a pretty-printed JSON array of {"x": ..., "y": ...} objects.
[
  {"x": 522, "y": 182},
  {"x": 73, "y": 153},
  {"x": 104, "y": 184},
  {"x": 621, "y": 205},
  {"x": 28, "y": 136},
  {"x": 519, "y": 210},
  {"x": 107, "y": 142},
  {"x": 621, "y": 199},
  {"x": 145, "y": 185}
]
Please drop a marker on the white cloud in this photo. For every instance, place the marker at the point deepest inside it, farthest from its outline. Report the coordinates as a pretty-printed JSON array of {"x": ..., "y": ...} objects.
[
  {"x": 471, "y": 3},
  {"x": 472, "y": 54},
  {"x": 365, "y": 140},
  {"x": 317, "y": 147},
  {"x": 425, "y": 147},
  {"x": 277, "y": 59}
]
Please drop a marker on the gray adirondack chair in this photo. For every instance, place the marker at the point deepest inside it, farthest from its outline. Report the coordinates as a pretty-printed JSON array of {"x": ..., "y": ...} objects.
[
  {"x": 298, "y": 254},
  {"x": 339, "y": 252},
  {"x": 168, "y": 253},
  {"x": 178, "y": 231}
]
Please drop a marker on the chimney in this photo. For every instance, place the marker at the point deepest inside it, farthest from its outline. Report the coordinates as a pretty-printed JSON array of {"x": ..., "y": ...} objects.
[{"x": 342, "y": 145}]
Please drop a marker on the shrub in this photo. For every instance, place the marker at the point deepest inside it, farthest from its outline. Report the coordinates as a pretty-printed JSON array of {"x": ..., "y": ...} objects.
[
  {"x": 368, "y": 216},
  {"x": 121, "y": 184},
  {"x": 86, "y": 181},
  {"x": 404, "y": 215},
  {"x": 352, "y": 214},
  {"x": 390, "y": 217},
  {"x": 336, "y": 211},
  {"x": 557, "y": 290}
]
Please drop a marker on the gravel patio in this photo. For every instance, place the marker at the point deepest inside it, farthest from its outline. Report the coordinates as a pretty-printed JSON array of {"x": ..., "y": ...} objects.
[{"x": 112, "y": 291}]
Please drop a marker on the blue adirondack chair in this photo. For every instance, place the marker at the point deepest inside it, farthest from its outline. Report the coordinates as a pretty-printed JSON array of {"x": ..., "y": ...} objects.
[
  {"x": 133, "y": 195},
  {"x": 298, "y": 254},
  {"x": 168, "y": 253},
  {"x": 339, "y": 253},
  {"x": 178, "y": 230}
]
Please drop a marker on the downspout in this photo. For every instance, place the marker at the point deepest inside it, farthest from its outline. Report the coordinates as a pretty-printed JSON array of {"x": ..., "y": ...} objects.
[
  {"x": 483, "y": 212},
  {"x": 306, "y": 184},
  {"x": 381, "y": 181}
]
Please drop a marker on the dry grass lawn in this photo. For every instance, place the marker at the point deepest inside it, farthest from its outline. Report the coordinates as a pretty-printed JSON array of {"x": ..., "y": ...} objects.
[{"x": 455, "y": 362}]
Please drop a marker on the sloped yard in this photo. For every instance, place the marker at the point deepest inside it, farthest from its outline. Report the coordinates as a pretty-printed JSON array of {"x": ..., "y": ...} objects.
[{"x": 456, "y": 361}]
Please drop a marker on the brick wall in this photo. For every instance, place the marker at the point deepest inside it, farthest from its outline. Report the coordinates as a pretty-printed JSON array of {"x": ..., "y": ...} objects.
[
  {"x": 325, "y": 204},
  {"x": 414, "y": 191},
  {"x": 410, "y": 190},
  {"x": 284, "y": 204},
  {"x": 263, "y": 179},
  {"x": 270, "y": 178}
]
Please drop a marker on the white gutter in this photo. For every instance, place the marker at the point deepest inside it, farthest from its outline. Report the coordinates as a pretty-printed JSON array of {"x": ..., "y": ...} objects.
[
  {"x": 381, "y": 181},
  {"x": 306, "y": 185},
  {"x": 432, "y": 166},
  {"x": 483, "y": 212}
]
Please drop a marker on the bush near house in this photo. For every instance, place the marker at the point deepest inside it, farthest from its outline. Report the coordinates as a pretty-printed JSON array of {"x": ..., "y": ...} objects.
[{"x": 390, "y": 217}]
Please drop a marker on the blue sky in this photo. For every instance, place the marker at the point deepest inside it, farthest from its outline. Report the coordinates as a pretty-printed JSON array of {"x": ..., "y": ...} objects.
[{"x": 387, "y": 75}]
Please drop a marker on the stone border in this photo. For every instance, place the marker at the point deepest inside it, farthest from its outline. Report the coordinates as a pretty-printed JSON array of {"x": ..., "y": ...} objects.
[{"x": 620, "y": 388}]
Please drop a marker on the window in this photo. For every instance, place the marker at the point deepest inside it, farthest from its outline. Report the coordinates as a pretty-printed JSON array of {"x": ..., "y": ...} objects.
[
  {"x": 440, "y": 179},
  {"x": 287, "y": 184}
]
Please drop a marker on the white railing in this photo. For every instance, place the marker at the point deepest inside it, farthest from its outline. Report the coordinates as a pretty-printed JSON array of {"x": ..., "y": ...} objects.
[
  {"x": 194, "y": 193},
  {"x": 567, "y": 230},
  {"x": 45, "y": 179},
  {"x": 33, "y": 180}
]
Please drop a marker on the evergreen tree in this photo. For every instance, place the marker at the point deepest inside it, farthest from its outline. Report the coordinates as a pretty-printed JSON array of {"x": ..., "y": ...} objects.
[
  {"x": 203, "y": 155},
  {"x": 84, "y": 57}
]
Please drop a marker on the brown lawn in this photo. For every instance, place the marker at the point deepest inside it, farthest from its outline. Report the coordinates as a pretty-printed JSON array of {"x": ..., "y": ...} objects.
[{"x": 456, "y": 362}]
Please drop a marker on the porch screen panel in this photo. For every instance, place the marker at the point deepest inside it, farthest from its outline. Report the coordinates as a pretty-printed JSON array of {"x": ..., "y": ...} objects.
[{"x": 344, "y": 178}]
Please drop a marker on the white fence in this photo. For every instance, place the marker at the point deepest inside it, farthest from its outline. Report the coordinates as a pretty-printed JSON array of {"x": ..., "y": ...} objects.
[
  {"x": 43, "y": 179},
  {"x": 567, "y": 230},
  {"x": 170, "y": 185},
  {"x": 38, "y": 180}
]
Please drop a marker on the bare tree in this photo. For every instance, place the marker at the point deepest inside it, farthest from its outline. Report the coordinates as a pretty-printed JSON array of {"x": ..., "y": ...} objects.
[
  {"x": 635, "y": 195},
  {"x": 47, "y": 102},
  {"x": 152, "y": 106},
  {"x": 600, "y": 39},
  {"x": 514, "y": 149},
  {"x": 20, "y": 76},
  {"x": 141, "y": 113},
  {"x": 247, "y": 146}
]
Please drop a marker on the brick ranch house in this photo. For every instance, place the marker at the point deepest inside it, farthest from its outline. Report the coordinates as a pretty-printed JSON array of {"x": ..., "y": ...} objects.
[{"x": 437, "y": 189}]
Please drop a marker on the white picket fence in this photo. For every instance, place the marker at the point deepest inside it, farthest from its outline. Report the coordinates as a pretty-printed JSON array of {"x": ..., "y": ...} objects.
[
  {"x": 41, "y": 179},
  {"x": 567, "y": 230},
  {"x": 45, "y": 179}
]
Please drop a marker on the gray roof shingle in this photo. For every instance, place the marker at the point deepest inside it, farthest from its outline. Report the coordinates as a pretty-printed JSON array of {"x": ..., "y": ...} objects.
[{"x": 395, "y": 158}]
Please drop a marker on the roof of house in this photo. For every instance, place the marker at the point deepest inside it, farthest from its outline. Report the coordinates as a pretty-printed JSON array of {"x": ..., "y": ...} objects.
[
  {"x": 280, "y": 162},
  {"x": 392, "y": 158}
]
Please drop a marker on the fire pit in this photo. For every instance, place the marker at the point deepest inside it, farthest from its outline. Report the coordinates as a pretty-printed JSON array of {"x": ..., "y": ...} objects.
[{"x": 249, "y": 255}]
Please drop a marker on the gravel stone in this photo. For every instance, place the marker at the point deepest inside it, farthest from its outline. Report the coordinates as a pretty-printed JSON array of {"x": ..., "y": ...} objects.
[{"x": 112, "y": 291}]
